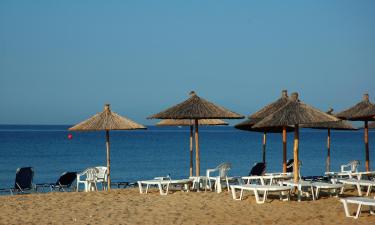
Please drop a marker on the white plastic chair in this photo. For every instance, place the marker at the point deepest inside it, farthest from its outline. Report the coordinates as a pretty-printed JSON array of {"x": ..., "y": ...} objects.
[
  {"x": 102, "y": 176},
  {"x": 352, "y": 165},
  {"x": 222, "y": 169},
  {"x": 89, "y": 178}
]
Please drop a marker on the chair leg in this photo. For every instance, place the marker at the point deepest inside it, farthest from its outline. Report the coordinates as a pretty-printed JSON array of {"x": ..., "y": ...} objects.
[
  {"x": 234, "y": 196},
  {"x": 359, "y": 190},
  {"x": 317, "y": 193},
  {"x": 140, "y": 187},
  {"x": 368, "y": 190},
  {"x": 358, "y": 210},
  {"x": 346, "y": 209},
  {"x": 218, "y": 185}
]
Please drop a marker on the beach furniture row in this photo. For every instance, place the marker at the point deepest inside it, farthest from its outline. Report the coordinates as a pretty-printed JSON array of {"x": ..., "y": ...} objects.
[
  {"x": 262, "y": 184},
  {"x": 90, "y": 179}
]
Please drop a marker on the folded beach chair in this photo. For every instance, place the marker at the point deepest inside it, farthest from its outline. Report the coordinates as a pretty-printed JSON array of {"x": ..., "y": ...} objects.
[
  {"x": 289, "y": 166},
  {"x": 360, "y": 201},
  {"x": 258, "y": 169},
  {"x": 24, "y": 181},
  {"x": 222, "y": 170},
  {"x": 64, "y": 182}
]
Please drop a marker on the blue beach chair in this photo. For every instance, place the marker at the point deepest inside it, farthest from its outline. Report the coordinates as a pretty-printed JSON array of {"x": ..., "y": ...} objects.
[{"x": 24, "y": 181}]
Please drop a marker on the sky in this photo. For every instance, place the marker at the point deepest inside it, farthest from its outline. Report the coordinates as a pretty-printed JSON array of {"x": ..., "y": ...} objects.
[{"x": 61, "y": 61}]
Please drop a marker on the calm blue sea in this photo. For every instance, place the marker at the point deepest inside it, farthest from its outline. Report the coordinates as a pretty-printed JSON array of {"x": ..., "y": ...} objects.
[{"x": 160, "y": 151}]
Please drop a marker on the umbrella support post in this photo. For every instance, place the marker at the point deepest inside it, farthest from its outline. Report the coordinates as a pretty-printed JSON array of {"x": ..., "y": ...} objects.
[
  {"x": 284, "y": 149},
  {"x": 197, "y": 159},
  {"x": 367, "y": 147},
  {"x": 328, "y": 161},
  {"x": 295, "y": 154},
  {"x": 264, "y": 147},
  {"x": 108, "y": 160},
  {"x": 191, "y": 151}
]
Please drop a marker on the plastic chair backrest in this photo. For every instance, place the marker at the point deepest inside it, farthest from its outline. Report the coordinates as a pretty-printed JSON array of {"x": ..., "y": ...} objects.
[
  {"x": 102, "y": 174},
  {"x": 223, "y": 169},
  {"x": 91, "y": 174},
  {"x": 24, "y": 178},
  {"x": 258, "y": 169},
  {"x": 66, "y": 179},
  {"x": 353, "y": 166}
]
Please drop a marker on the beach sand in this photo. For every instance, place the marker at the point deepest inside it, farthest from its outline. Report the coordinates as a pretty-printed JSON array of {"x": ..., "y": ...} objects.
[{"x": 127, "y": 206}]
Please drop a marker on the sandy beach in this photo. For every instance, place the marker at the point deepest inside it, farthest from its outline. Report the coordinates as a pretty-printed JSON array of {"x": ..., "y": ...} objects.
[{"x": 127, "y": 206}]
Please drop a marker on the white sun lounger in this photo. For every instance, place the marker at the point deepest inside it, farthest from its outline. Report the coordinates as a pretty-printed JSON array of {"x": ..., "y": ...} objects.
[
  {"x": 268, "y": 178},
  {"x": 360, "y": 201},
  {"x": 359, "y": 184},
  {"x": 163, "y": 184},
  {"x": 300, "y": 185},
  {"x": 261, "y": 188},
  {"x": 326, "y": 186}
]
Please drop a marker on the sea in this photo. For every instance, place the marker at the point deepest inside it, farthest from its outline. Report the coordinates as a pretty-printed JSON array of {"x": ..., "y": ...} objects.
[{"x": 161, "y": 151}]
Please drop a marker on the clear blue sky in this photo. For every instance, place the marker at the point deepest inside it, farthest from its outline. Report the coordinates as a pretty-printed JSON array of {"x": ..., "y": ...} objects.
[{"x": 60, "y": 61}]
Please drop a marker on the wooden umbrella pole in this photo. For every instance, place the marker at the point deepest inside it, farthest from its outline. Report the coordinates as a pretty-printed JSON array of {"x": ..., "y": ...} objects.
[
  {"x": 284, "y": 149},
  {"x": 328, "y": 161},
  {"x": 197, "y": 160},
  {"x": 191, "y": 151},
  {"x": 367, "y": 147},
  {"x": 108, "y": 160},
  {"x": 295, "y": 154},
  {"x": 264, "y": 147}
]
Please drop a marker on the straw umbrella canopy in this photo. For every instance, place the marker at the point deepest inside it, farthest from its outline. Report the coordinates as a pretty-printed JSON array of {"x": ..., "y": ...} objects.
[
  {"x": 261, "y": 114},
  {"x": 362, "y": 111},
  {"x": 196, "y": 108},
  {"x": 190, "y": 123},
  {"x": 295, "y": 113},
  {"x": 107, "y": 120},
  {"x": 248, "y": 125},
  {"x": 339, "y": 125}
]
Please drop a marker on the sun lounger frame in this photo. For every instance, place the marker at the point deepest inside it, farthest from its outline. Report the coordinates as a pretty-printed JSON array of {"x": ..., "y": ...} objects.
[{"x": 261, "y": 188}]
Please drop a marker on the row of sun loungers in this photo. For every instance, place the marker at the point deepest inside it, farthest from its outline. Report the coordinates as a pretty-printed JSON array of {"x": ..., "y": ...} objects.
[{"x": 259, "y": 183}]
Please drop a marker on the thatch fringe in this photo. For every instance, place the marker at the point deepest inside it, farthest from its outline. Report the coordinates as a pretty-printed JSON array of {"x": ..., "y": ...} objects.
[
  {"x": 187, "y": 122},
  {"x": 196, "y": 107},
  {"x": 295, "y": 112},
  {"x": 107, "y": 120},
  {"x": 364, "y": 110},
  {"x": 248, "y": 125},
  {"x": 338, "y": 125}
]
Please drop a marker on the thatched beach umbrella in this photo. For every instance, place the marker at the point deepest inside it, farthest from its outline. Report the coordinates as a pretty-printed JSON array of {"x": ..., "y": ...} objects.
[
  {"x": 107, "y": 120},
  {"x": 196, "y": 108},
  {"x": 338, "y": 125},
  {"x": 248, "y": 125},
  {"x": 295, "y": 113},
  {"x": 261, "y": 114},
  {"x": 190, "y": 123},
  {"x": 363, "y": 111}
]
